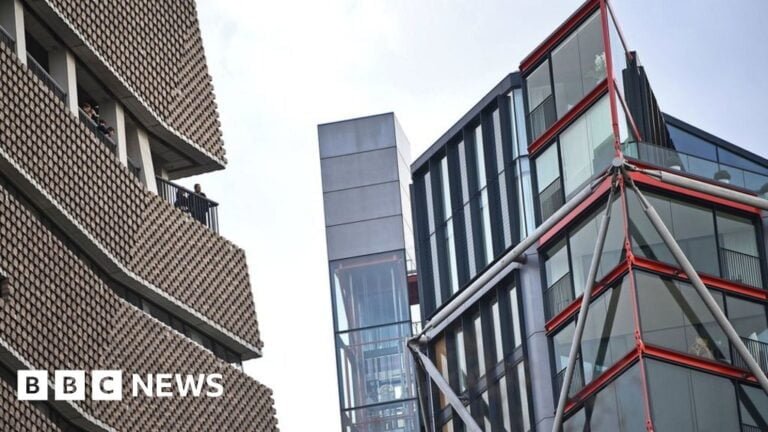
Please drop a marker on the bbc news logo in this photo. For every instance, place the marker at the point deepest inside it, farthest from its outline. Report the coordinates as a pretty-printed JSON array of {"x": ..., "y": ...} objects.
[{"x": 107, "y": 385}]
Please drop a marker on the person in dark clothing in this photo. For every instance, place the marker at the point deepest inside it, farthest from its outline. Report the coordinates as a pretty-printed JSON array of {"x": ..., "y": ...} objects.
[
  {"x": 182, "y": 201},
  {"x": 111, "y": 133},
  {"x": 198, "y": 205},
  {"x": 103, "y": 127}
]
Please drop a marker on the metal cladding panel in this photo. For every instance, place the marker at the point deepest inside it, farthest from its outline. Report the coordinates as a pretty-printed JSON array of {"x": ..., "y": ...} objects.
[
  {"x": 364, "y": 203},
  {"x": 360, "y": 169},
  {"x": 356, "y": 136},
  {"x": 156, "y": 48},
  {"x": 365, "y": 238},
  {"x": 60, "y": 315},
  {"x": 144, "y": 233}
]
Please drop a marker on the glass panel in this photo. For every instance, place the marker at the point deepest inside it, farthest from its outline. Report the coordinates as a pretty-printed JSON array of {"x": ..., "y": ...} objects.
[
  {"x": 435, "y": 269},
  {"x": 541, "y": 109},
  {"x": 461, "y": 359},
  {"x": 547, "y": 169},
  {"x": 618, "y": 57},
  {"x": 516, "y": 323},
  {"x": 497, "y": 339},
  {"x": 616, "y": 408},
  {"x": 499, "y": 146},
  {"x": 505, "y": 213},
  {"x": 692, "y": 226},
  {"x": 525, "y": 197},
  {"x": 685, "y": 142},
  {"x": 371, "y": 363},
  {"x": 559, "y": 292},
  {"x": 485, "y": 214},
  {"x": 450, "y": 247},
  {"x": 370, "y": 290},
  {"x": 587, "y": 146},
  {"x": 505, "y": 419},
  {"x": 480, "y": 159},
  {"x": 687, "y": 400},
  {"x": 732, "y": 159},
  {"x": 748, "y": 318},
  {"x": 480, "y": 347},
  {"x": 441, "y": 356},
  {"x": 522, "y": 138},
  {"x": 739, "y": 257},
  {"x": 608, "y": 332},
  {"x": 578, "y": 64},
  {"x": 401, "y": 417},
  {"x": 446, "y": 188},
  {"x": 430, "y": 203},
  {"x": 753, "y": 405},
  {"x": 673, "y": 315},
  {"x": 522, "y": 383},
  {"x": 582, "y": 246}
]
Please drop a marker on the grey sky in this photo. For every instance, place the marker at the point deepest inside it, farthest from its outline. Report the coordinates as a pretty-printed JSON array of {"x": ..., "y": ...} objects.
[{"x": 281, "y": 67}]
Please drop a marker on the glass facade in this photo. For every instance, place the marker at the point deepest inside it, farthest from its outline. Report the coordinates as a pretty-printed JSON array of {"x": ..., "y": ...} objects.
[{"x": 373, "y": 324}]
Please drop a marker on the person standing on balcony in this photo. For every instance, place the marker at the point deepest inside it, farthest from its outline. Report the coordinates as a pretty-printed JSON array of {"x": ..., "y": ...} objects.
[{"x": 199, "y": 205}]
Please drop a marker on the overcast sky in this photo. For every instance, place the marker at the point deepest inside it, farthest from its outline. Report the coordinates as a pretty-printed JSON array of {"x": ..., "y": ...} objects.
[{"x": 282, "y": 67}]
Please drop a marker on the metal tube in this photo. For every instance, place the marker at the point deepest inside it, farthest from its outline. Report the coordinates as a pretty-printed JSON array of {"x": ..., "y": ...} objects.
[
  {"x": 446, "y": 390},
  {"x": 704, "y": 187},
  {"x": 581, "y": 320},
  {"x": 441, "y": 318},
  {"x": 695, "y": 280}
]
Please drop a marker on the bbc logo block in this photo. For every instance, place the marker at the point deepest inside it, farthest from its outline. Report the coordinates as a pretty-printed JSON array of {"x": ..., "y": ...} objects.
[{"x": 69, "y": 385}]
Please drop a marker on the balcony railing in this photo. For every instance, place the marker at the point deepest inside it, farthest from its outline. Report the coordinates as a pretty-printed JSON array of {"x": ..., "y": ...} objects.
[
  {"x": 41, "y": 73},
  {"x": 7, "y": 39},
  {"x": 759, "y": 351},
  {"x": 705, "y": 168},
  {"x": 558, "y": 296},
  {"x": 750, "y": 428},
  {"x": 741, "y": 267},
  {"x": 90, "y": 124},
  {"x": 551, "y": 199},
  {"x": 199, "y": 207},
  {"x": 542, "y": 117}
]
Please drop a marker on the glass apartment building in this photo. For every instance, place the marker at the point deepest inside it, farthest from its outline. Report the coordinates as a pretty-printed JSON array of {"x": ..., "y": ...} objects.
[{"x": 499, "y": 322}]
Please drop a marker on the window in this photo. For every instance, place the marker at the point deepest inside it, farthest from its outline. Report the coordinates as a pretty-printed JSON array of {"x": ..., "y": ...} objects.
[
  {"x": 739, "y": 256},
  {"x": 753, "y": 405},
  {"x": 674, "y": 316},
  {"x": 578, "y": 64},
  {"x": 461, "y": 359},
  {"x": 685, "y": 400},
  {"x": 485, "y": 213},
  {"x": 616, "y": 408},
  {"x": 370, "y": 291},
  {"x": 450, "y": 245},
  {"x": 575, "y": 252},
  {"x": 515, "y": 315},
  {"x": 541, "y": 107},
  {"x": 732, "y": 254},
  {"x": 549, "y": 184},
  {"x": 497, "y": 339},
  {"x": 479, "y": 345},
  {"x": 467, "y": 208},
  {"x": 608, "y": 336},
  {"x": 587, "y": 146}
]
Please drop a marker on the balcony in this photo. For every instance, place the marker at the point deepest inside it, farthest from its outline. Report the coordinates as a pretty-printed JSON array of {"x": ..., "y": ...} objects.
[
  {"x": 759, "y": 351},
  {"x": 740, "y": 267},
  {"x": 697, "y": 166},
  {"x": 43, "y": 75},
  {"x": 199, "y": 207},
  {"x": 93, "y": 127},
  {"x": 577, "y": 382},
  {"x": 558, "y": 296},
  {"x": 750, "y": 428}
]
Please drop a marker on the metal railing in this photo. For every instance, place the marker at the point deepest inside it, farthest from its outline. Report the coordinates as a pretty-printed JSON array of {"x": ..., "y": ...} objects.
[
  {"x": 542, "y": 117},
  {"x": 7, "y": 39},
  {"x": 90, "y": 124},
  {"x": 43, "y": 75},
  {"x": 759, "y": 351},
  {"x": 558, "y": 296},
  {"x": 551, "y": 198},
  {"x": 750, "y": 428},
  {"x": 199, "y": 207},
  {"x": 698, "y": 166},
  {"x": 741, "y": 267}
]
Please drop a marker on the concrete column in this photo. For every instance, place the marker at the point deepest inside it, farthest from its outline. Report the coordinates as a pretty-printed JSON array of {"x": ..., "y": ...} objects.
[
  {"x": 137, "y": 145},
  {"x": 114, "y": 115},
  {"x": 12, "y": 21},
  {"x": 540, "y": 369},
  {"x": 63, "y": 70}
]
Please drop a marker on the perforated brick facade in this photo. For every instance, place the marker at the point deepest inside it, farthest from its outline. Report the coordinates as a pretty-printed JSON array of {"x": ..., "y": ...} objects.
[
  {"x": 60, "y": 315},
  {"x": 157, "y": 49},
  {"x": 150, "y": 237}
]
